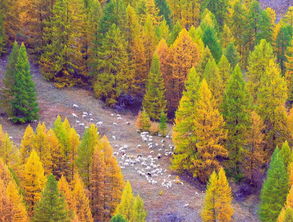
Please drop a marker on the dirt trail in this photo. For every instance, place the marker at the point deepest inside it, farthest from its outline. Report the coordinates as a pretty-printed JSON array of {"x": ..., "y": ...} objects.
[{"x": 173, "y": 204}]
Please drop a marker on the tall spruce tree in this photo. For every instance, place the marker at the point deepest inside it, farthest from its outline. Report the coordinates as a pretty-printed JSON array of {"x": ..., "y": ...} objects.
[
  {"x": 274, "y": 190},
  {"x": 112, "y": 75},
  {"x": 24, "y": 101},
  {"x": 236, "y": 112},
  {"x": 214, "y": 80},
  {"x": 164, "y": 10},
  {"x": 258, "y": 60},
  {"x": 210, "y": 39},
  {"x": 232, "y": 54},
  {"x": 154, "y": 102},
  {"x": 52, "y": 206},
  {"x": 218, "y": 8},
  {"x": 9, "y": 80},
  {"x": 85, "y": 151},
  {"x": 183, "y": 131}
]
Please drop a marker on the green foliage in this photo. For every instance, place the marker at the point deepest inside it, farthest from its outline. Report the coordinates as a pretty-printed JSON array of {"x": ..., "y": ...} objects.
[
  {"x": 210, "y": 39},
  {"x": 224, "y": 69},
  {"x": 164, "y": 10},
  {"x": 138, "y": 211},
  {"x": 114, "y": 13},
  {"x": 163, "y": 124},
  {"x": 218, "y": 8},
  {"x": 52, "y": 206},
  {"x": 126, "y": 204},
  {"x": 183, "y": 131},
  {"x": 258, "y": 60},
  {"x": 118, "y": 218},
  {"x": 154, "y": 102},
  {"x": 258, "y": 26},
  {"x": 9, "y": 80},
  {"x": 283, "y": 41},
  {"x": 85, "y": 151},
  {"x": 274, "y": 190},
  {"x": 174, "y": 33},
  {"x": 236, "y": 112},
  {"x": 286, "y": 153},
  {"x": 214, "y": 80},
  {"x": 24, "y": 98},
  {"x": 232, "y": 54},
  {"x": 131, "y": 207},
  {"x": 64, "y": 38},
  {"x": 112, "y": 75}
]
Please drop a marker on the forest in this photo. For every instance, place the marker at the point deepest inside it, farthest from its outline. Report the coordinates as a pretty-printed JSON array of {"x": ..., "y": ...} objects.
[{"x": 146, "y": 110}]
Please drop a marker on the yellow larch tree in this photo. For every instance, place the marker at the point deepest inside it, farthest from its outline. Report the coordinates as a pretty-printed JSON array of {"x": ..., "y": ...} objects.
[
  {"x": 97, "y": 184},
  {"x": 223, "y": 203},
  {"x": 218, "y": 199},
  {"x": 5, "y": 174},
  {"x": 114, "y": 181},
  {"x": 5, "y": 204},
  {"x": 288, "y": 207},
  {"x": 182, "y": 57},
  {"x": 254, "y": 154},
  {"x": 66, "y": 191},
  {"x": 18, "y": 208},
  {"x": 33, "y": 180},
  {"x": 82, "y": 204},
  {"x": 210, "y": 134},
  {"x": 26, "y": 144}
]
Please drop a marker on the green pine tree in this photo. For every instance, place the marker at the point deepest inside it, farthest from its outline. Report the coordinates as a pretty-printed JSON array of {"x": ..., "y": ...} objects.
[
  {"x": 210, "y": 39},
  {"x": 282, "y": 43},
  {"x": 9, "y": 80},
  {"x": 24, "y": 101},
  {"x": 214, "y": 79},
  {"x": 236, "y": 112},
  {"x": 52, "y": 205},
  {"x": 85, "y": 151},
  {"x": 154, "y": 102},
  {"x": 218, "y": 8},
  {"x": 257, "y": 26},
  {"x": 274, "y": 190},
  {"x": 112, "y": 75},
  {"x": 183, "y": 131},
  {"x": 164, "y": 10},
  {"x": 163, "y": 124},
  {"x": 224, "y": 69},
  {"x": 232, "y": 54}
]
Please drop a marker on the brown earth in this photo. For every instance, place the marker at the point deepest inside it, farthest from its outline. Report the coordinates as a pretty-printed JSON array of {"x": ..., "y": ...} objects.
[{"x": 174, "y": 204}]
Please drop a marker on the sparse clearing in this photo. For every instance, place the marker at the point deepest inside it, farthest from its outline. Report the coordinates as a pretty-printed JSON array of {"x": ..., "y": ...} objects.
[{"x": 174, "y": 204}]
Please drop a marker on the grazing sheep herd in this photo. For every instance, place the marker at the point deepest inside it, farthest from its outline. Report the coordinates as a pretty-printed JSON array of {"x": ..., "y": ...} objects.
[{"x": 145, "y": 165}]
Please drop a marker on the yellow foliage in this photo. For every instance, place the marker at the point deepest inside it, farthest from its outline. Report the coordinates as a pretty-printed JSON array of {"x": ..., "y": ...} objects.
[
  {"x": 18, "y": 208},
  {"x": 81, "y": 200},
  {"x": 33, "y": 180}
]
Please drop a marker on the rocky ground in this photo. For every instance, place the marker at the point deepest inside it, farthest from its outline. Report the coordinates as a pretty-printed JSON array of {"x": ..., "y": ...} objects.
[{"x": 144, "y": 159}]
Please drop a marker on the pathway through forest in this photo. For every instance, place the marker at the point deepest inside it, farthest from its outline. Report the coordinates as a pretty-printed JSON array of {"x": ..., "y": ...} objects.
[{"x": 144, "y": 159}]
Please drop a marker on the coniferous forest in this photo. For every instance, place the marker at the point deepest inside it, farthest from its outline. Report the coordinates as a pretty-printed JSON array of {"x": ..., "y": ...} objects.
[{"x": 146, "y": 110}]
